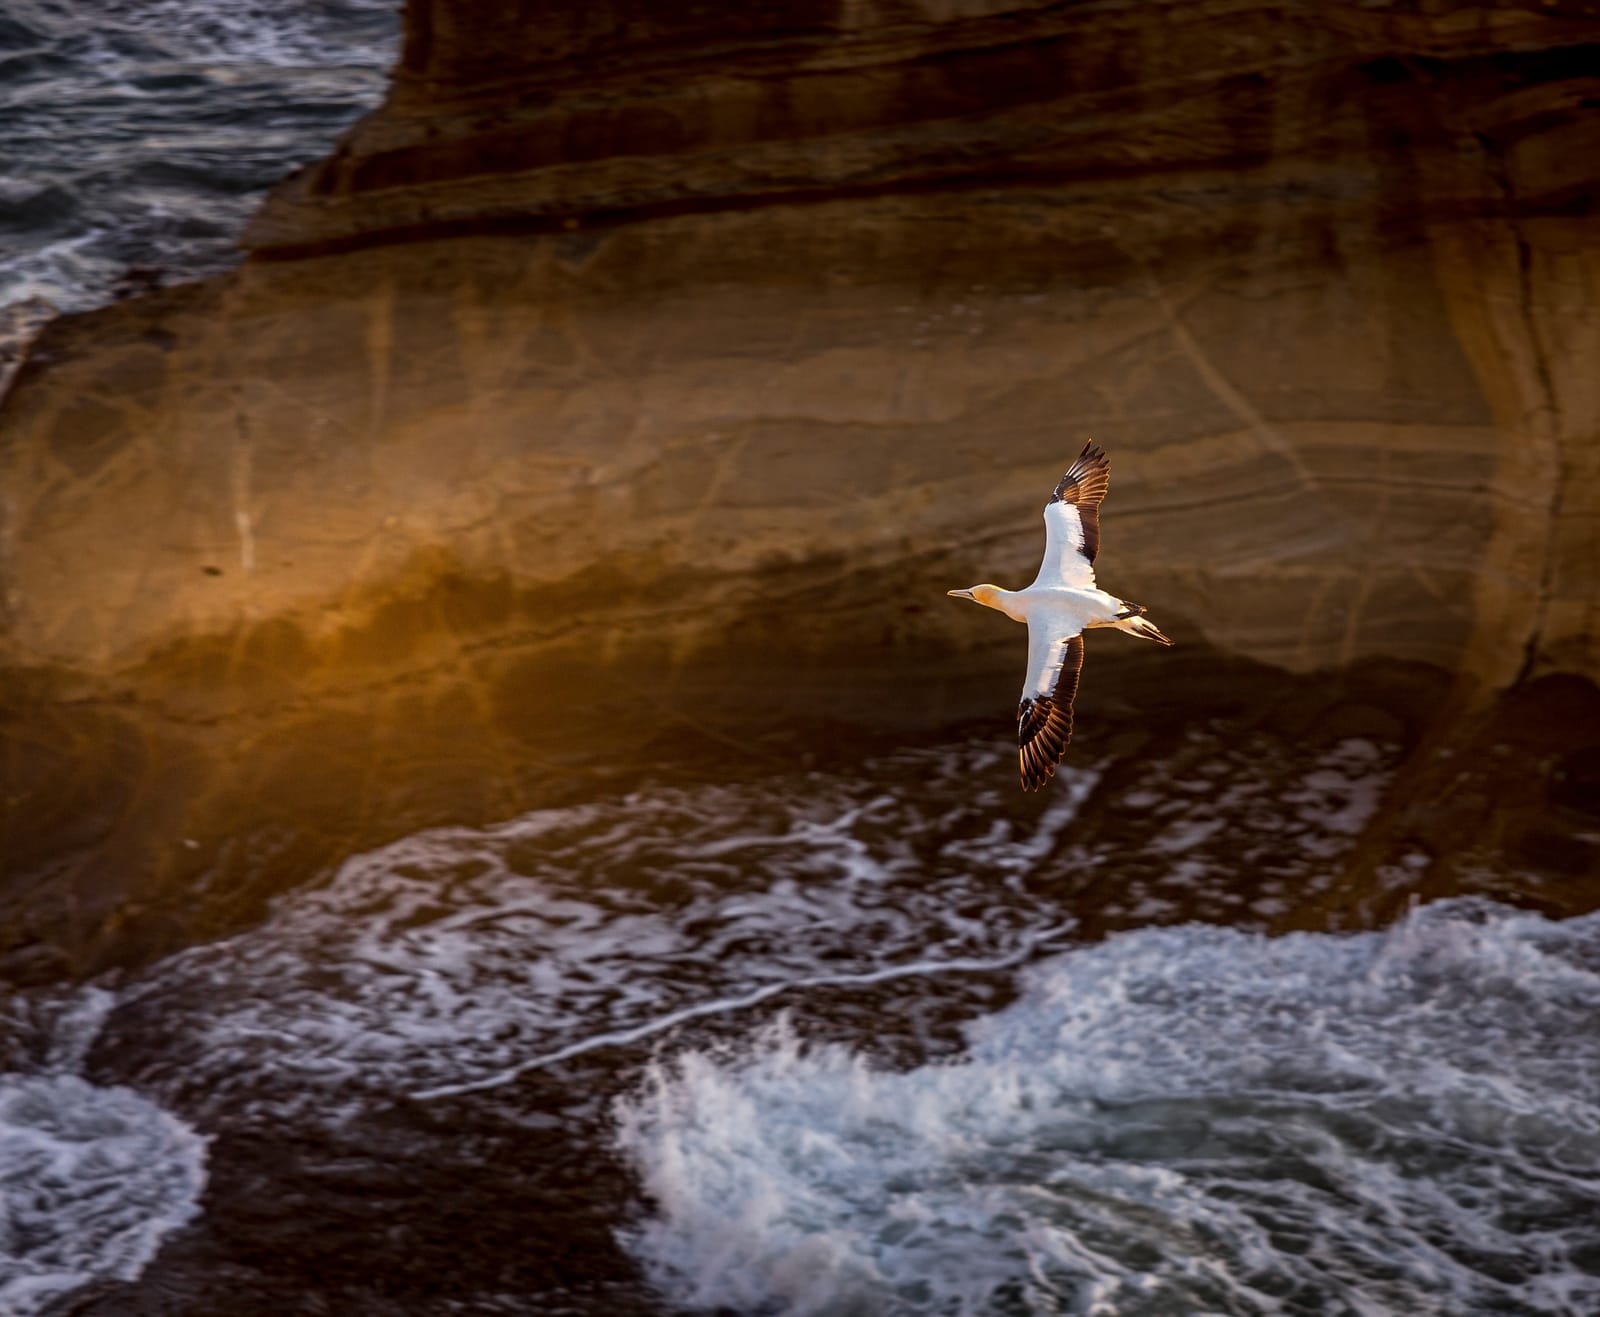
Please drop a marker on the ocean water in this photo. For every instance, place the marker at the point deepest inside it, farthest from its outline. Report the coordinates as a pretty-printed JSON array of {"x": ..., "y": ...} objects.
[
  {"x": 136, "y": 136},
  {"x": 457, "y": 960},
  {"x": 898, "y": 1040}
]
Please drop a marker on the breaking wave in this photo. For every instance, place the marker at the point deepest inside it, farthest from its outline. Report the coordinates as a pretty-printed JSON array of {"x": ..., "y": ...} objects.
[{"x": 1189, "y": 1119}]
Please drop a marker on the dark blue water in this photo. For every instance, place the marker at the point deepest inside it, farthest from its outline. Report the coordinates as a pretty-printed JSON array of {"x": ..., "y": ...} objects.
[{"x": 137, "y": 136}]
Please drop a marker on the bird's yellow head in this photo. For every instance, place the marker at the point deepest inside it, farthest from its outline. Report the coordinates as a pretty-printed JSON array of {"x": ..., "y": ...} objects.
[{"x": 987, "y": 595}]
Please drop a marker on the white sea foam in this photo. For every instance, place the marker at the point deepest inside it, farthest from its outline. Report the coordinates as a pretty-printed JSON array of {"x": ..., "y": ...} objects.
[
  {"x": 92, "y": 1178},
  {"x": 458, "y": 959},
  {"x": 1177, "y": 1120}
]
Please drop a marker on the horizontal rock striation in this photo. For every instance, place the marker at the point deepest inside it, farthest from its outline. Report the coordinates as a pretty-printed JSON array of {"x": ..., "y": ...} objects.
[
  {"x": 646, "y": 369},
  {"x": 521, "y": 112},
  {"x": 1444, "y": 146}
]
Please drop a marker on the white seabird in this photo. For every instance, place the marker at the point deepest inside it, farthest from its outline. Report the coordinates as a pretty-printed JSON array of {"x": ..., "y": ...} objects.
[{"x": 1060, "y": 604}]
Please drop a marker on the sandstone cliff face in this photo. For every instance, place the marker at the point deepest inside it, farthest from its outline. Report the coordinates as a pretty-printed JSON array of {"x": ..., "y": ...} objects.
[
  {"x": 1322, "y": 277},
  {"x": 615, "y": 373}
]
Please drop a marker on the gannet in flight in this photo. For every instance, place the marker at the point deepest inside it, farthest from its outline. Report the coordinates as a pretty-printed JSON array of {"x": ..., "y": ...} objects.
[{"x": 1062, "y": 601}]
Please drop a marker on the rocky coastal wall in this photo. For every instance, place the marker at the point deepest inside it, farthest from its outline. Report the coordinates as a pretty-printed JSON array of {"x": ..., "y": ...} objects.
[{"x": 642, "y": 370}]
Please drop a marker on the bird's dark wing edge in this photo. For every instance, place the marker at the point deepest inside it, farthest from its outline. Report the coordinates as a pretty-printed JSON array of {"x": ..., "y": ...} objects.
[
  {"x": 1083, "y": 486},
  {"x": 1044, "y": 723}
]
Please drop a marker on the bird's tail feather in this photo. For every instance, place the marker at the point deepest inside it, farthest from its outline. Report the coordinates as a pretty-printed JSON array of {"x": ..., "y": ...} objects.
[{"x": 1135, "y": 623}]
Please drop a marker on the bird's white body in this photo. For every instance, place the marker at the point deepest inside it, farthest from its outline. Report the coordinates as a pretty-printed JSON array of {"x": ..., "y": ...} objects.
[
  {"x": 1054, "y": 614},
  {"x": 1058, "y": 607},
  {"x": 1065, "y": 605}
]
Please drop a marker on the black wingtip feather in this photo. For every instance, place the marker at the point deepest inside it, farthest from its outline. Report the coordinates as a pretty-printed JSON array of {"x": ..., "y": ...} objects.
[{"x": 1087, "y": 478}]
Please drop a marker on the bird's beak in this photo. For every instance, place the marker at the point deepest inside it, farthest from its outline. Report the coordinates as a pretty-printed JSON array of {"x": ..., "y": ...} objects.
[{"x": 959, "y": 594}]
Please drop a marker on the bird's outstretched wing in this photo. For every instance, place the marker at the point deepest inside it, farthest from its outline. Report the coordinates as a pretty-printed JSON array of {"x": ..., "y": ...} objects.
[
  {"x": 1072, "y": 522},
  {"x": 1044, "y": 718}
]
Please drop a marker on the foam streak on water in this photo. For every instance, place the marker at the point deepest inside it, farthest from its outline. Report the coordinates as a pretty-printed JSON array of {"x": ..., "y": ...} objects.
[
  {"x": 722, "y": 1006},
  {"x": 1177, "y": 1120}
]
